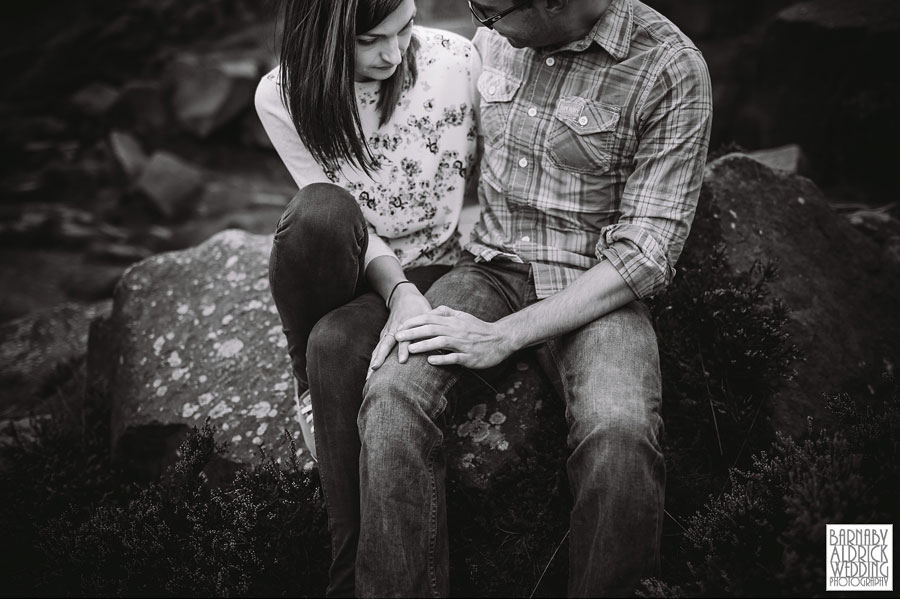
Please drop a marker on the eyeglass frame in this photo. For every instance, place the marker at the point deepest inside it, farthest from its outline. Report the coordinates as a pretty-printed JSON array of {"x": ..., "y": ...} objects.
[{"x": 489, "y": 21}]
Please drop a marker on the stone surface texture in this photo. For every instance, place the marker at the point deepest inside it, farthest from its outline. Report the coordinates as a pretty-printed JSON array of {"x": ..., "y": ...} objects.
[
  {"x": 841, "y": 296},
  {"x": 34, "y": 346},
  {"x": 194, "y": 335}
]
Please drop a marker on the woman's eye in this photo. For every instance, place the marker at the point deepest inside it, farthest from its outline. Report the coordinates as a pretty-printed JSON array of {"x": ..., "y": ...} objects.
[
  {"x": 365, "y": 41},
  {"x": 408, "y": 25}
]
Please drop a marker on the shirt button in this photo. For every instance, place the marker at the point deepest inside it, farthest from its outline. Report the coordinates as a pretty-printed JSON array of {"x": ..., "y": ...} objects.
[
  {"x": 523, "y": 162},
  {"x": 492, "y": 90},
  {"x": 550, "y": 61},
  {"x": 526, "y": 239},
  {"x": 583, "y": 120},
  {"x": 532, "y": 112}
]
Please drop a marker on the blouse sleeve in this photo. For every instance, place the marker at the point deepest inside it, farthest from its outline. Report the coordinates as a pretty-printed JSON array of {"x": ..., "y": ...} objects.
[{"x": 301, "y": 165}]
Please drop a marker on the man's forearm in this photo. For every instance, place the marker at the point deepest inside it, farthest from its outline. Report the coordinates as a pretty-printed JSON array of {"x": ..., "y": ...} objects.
[
  {"x": 597, "y": 292},
  {"x": 453, "y": 337}
]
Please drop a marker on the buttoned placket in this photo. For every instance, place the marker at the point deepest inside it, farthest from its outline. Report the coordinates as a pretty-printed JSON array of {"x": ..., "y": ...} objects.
[{"x": 523, "y": 162}]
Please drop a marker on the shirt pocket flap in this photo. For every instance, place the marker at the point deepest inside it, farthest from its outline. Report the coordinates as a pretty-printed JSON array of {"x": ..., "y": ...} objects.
[
  {"x": 585, "y": 116},
  {"x": 496, "y": 87}
]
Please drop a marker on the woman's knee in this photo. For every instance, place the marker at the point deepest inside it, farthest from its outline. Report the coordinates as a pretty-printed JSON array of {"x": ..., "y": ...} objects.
[
  {"x": 340, "y": 337},
  {"x": 319, "y": 209}
]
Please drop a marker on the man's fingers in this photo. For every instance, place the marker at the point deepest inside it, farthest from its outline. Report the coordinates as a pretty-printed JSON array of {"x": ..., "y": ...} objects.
[
  {"x": 403, "y": 351},
  {"x": 439, "y": 322},
  {"x": 421, "y": 332},
  {"x": 447, "y": 359},
  {"x": 443, "y": 311},
  {"x": 430, "y": 345}
]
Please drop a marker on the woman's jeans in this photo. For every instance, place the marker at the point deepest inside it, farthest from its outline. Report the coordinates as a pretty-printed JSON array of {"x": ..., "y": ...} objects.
[
  {"x": 609, "y": 372},
  {"x": 332, "y": 321}
]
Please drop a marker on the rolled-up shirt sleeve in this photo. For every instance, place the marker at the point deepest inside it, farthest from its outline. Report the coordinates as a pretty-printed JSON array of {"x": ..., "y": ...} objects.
[{"x": 660, "y": 196}]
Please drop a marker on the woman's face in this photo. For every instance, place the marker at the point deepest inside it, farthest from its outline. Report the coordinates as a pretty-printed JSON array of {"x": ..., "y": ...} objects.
[{"x": 380, "y": 50}]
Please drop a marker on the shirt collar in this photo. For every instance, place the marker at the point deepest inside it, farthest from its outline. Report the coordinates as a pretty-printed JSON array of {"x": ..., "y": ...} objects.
[{"x": 612, "y": 32}]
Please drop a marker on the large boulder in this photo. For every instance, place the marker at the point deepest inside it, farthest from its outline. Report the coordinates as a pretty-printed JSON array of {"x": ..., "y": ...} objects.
[
  {"x": 841, "y": 294},
  {"x": 824, "y": 78},
  {"x": 194, "y": 335},
  {"x": 36, "y": 348},
  {"x": 211, "y": 90}
]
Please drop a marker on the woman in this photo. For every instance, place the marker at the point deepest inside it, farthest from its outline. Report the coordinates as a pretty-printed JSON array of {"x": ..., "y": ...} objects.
[{"x": 374, "y": 118}]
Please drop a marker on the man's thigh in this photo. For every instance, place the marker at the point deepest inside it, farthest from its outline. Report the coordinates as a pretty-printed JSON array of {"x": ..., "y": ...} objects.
[
  {"x": 609, "y": 372},
  {"x": 468, "y": 287},
  {"x": 487, "y": 291}
]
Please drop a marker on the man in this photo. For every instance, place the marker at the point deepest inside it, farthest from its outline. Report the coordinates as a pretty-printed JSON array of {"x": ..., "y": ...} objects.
[{"x": 596, "y": 118}]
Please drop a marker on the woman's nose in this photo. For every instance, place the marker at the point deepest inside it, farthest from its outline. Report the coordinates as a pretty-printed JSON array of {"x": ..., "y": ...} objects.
[{"x": 390, "y": 52}]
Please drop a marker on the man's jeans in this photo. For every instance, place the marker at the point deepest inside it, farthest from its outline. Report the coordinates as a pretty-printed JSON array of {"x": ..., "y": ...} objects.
[
  {"x": 332, "y": 321},
  {"x": 609, "y": 371}
]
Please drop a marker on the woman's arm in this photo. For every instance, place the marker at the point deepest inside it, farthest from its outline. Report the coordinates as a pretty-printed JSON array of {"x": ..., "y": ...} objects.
[
  {"x": 386, "y": 276},
  {"x": 299, "y": 162}
]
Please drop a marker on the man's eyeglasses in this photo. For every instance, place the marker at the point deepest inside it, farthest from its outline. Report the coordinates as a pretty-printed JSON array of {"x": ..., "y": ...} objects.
[{"x": 489, "y": 21}]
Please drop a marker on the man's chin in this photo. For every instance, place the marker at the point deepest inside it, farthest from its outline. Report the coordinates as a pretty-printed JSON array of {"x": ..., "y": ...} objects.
[{"x": 516, "y": 43}]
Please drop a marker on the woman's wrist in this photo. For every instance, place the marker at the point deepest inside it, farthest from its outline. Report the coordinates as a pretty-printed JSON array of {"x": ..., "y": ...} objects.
[{"x": 400, "y": 290}]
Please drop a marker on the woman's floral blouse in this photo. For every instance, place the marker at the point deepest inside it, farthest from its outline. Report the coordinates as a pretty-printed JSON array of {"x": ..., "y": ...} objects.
[{"x": 424, "y": 153}]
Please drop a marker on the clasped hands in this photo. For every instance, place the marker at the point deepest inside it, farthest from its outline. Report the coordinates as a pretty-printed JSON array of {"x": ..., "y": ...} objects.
[{"x": 448, "y": 336}]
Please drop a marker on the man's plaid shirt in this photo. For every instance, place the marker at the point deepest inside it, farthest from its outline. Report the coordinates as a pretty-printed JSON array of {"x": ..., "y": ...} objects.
[{"x": 594, "y": 151}]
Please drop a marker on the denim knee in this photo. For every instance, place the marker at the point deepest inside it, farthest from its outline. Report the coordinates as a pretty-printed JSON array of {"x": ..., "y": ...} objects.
[
  {"x": 317, "y": 210},
  {"x": 399, "y": 401},
  {"x": 331, "y": 340}
]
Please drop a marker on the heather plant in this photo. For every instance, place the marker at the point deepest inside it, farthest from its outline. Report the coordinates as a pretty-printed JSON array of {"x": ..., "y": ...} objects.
[
  {"x": 263, "y": 535},
  {"x": 765, "y": 535}
]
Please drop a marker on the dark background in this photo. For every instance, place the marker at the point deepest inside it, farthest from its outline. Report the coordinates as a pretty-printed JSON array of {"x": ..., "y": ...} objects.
[{"x": 815, "y": 74}]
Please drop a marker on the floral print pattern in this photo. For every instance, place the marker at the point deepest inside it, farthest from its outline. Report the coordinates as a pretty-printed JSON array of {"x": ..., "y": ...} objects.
[{"x": 425, "y": 152}]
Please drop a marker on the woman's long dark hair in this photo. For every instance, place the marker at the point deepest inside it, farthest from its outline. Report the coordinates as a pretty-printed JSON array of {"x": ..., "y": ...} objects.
[{"x": 318, "y": 57}]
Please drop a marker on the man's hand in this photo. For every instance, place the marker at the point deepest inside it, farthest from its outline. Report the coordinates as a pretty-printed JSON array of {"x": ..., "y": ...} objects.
[
  {"x": 406, "y": 303},
  {"x": 461, "y": 338}
]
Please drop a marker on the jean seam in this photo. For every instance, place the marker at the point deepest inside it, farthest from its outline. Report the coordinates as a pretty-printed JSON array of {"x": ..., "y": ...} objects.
[
  {"x": 557, "y": 360},
  {"x": 432, "y": 524},
  {"x": 329, "y": 521}
]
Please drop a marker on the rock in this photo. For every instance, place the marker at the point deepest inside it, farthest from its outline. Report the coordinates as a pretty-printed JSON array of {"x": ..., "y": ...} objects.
[
  {"x": 789, "y": 158},
  {"x": 705, "y": 19},
  {"x": 13, "y": 431},
  {"x": 119, "y": 252},
  {"x": 95, "y": 99},
  {"x": 826, "y": 80},
  {"x": 143, "y": 108},
  {"x": 38, "y": 279},
  {"x": 494, "y": 426},
  {"x": 891, "y": 251},
  {"x": 253, "y": 134},
  {"x": 128, "y": 153},
  {"x": 841, "y": 297},
  {"x": 195, "y": 334},
  {"x": 210, "y": 91},
  {"x": 170, "y": 183},
  {"x": 35, "y": 346},
  {"x": 223, "y": 197}
]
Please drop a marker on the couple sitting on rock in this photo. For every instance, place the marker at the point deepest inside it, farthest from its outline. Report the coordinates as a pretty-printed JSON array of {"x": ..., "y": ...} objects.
[{"x": 595, "y": 118}]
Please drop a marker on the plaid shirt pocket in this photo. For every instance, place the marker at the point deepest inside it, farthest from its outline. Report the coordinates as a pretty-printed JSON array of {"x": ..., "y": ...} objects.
[
  {"x": 583, "y": 135},
  {"x": 497, "y": 91}
]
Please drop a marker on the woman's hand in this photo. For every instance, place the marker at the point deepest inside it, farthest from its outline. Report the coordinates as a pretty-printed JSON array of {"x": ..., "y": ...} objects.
[{"x": 406, "y": 303}]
